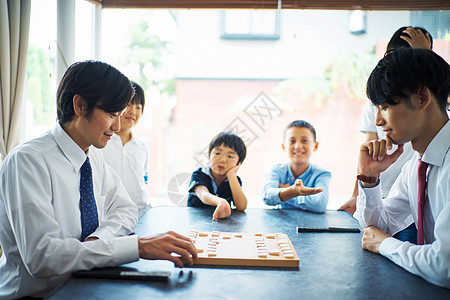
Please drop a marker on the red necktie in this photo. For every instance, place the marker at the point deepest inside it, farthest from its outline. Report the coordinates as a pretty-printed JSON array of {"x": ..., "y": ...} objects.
[{"x": 422, "y": 176}]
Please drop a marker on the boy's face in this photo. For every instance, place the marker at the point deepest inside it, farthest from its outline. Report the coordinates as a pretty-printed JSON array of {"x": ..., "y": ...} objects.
[
  {"x": 400, "y": 122},
  {"x": 222, "y": 159},
  {"x": 299, "y": 144},
  {"x": 131, "y": 116}
]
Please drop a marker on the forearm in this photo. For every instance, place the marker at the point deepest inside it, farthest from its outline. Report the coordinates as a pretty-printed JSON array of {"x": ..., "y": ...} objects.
[
  {"x": 239, "y": 198},
  {"x": 430, "y": 261},
  {"x": 206, "y": 197},
  {"x": 287, "y": 193},
  {"x": 315, "y": 203},
  {"x": 370, "y": 210},
  {"x": 270, "y": 195}
]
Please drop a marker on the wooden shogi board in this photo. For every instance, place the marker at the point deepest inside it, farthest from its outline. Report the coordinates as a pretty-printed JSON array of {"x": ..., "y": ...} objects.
[{"x": 244, "y": 249}]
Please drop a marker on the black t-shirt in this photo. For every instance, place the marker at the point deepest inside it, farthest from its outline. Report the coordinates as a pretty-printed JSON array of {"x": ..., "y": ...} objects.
[{"x": 200, "y": 178}]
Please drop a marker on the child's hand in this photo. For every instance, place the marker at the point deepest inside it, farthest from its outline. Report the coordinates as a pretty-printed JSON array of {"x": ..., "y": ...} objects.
[
  {"x": 349, "y": 206},
  {"x": 303, "y": 190},
  {"x": 223, "y": 210},
  {"x": 233, "y": 170},
  {"x": 417, "y": 38}
]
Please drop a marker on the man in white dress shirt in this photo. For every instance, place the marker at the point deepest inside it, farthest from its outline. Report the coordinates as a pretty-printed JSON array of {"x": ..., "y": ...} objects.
[
  {"x": 40, "y": 219},
  {"x": 410, "y": 88}
]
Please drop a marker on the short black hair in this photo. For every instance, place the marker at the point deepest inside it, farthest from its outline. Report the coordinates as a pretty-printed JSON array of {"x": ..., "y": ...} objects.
[
  {"x": 231, "y": 140},
  {"x": 397, "y": 42},
  {"x": 404, "y": 72},
  {"x": 139, "y": 97},
  {"x": 300, "y": 123},
  {"x": 100, "y": 85}
]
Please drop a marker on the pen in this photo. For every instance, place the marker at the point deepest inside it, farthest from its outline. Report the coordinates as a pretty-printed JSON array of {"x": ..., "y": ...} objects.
[{"x": 328, "y": 229}]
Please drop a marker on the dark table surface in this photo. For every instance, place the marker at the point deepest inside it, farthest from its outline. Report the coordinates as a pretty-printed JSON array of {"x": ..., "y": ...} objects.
[{"x": 332, "y": 265}]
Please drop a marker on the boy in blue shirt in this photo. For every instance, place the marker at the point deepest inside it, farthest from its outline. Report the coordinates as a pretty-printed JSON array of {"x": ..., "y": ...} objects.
[
  {"x": 298, "y": 184},
  {"x": 217, "y": 184}
]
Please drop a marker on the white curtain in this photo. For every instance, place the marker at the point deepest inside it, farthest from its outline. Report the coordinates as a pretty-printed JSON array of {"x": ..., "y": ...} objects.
[{"x": 14, "y": 30}]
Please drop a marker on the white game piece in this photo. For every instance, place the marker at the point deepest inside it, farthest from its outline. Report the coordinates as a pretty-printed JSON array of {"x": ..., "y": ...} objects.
[
  {"x": 274, "y": 252},
  {"x": 289, "y": 255},
  {"x": 226, "y": 237},
  {"x": 212, "y": 253},
  {"x": 262, "y": 254},
  {"x": 215, "y": 233},
  {"x": 199, "y": 250}
]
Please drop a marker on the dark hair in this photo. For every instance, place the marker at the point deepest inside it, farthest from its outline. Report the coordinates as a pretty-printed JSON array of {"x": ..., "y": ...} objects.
[
  {"x": 404, "y": 72},
  {"x": 397, "y": 42},
  {"x": 100, "y": 85},
  {"x": 139, "y": 97},
  {"x": 231, "y": 140},
  {"x": 300, "y": 123}
]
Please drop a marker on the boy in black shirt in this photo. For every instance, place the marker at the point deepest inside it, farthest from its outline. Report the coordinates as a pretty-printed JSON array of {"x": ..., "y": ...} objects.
[{"x": 217, "y": 184}]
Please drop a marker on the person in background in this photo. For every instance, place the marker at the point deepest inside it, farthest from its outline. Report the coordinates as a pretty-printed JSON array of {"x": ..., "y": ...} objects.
[
  {"x": 298, "y": 184},
  {"x": 128, "y": 155}
]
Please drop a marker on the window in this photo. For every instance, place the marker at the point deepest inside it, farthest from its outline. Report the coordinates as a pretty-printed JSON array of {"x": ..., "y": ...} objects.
[
  {"x": 436, "y": 22},
  {"x": 250, "y": 24}
]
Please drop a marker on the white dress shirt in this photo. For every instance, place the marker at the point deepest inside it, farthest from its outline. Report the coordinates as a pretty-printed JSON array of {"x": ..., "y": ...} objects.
[
  {"x": 40, "y": 225},
  {"x": 432, "y": 260},
  {"x": 131, "y": 163}
]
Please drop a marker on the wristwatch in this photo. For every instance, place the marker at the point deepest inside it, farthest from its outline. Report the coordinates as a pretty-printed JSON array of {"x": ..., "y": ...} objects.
[{"x": 368, "y": 179}]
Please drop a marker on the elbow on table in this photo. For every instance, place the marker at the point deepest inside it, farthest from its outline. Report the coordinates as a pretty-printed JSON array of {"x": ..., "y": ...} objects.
[
  {"x": 268, "y": 198},
  {"x": 320, "y": 207},
  {"x": 241, "y": 208}
]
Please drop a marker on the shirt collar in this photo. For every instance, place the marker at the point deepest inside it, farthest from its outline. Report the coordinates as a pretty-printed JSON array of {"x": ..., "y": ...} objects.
[
  {"x": 70, "y": 149},
  {"x": 438, "y": 147},
  {"x": 207, "y": 171},
  {"x": 302, "y": 176}
]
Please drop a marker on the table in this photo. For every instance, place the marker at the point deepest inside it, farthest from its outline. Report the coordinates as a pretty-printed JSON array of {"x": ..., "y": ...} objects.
[{"x": 332, "y": 265}]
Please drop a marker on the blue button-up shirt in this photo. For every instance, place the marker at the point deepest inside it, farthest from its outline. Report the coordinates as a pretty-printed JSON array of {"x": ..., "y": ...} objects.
[{"x": 313, "y": 177}]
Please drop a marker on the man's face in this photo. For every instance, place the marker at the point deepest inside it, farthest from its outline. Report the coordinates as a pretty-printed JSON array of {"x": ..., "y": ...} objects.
[
  {"x": 399, "y": 122},
  {"x": 98, "y": 129}
]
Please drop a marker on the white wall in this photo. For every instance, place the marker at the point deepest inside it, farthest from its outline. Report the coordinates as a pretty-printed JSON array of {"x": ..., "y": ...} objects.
[{"x": 307, "y": 41}]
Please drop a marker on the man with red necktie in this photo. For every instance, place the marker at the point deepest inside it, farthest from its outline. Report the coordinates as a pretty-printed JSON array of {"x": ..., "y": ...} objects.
[{"x": 410, "y": 88}]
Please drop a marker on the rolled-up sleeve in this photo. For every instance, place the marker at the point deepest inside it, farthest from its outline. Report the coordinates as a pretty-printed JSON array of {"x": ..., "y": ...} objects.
[{"x": 271, "y": 189}]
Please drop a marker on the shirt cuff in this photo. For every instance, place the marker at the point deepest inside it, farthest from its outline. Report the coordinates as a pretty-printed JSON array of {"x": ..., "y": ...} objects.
[
  {"x": 388, "y": 246},
  {"x": 126, "y": 249},
  {"x": 372, "y": 196},
  {"x": 102, "y": 234}
]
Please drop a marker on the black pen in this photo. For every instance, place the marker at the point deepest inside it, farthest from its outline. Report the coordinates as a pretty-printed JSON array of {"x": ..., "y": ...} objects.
[{"x": 328, "y": 229}]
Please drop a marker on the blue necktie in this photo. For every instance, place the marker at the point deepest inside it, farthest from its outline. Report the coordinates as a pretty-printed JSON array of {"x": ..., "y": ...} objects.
[{"x": 88, "y": 208}]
